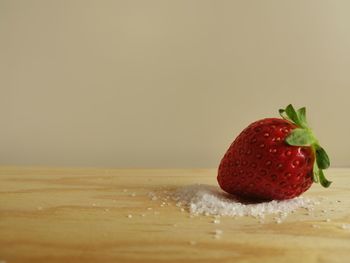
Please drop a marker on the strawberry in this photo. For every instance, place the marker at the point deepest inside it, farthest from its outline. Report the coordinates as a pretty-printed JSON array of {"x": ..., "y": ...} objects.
[{"x": 274, "y": 159}]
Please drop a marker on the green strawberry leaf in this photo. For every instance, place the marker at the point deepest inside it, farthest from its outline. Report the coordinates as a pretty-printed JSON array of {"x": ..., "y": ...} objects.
[
  {"x": 318, "y": 176},
  {"x": 324, "y": 182},
  {"x": 303, "y": 136},
  {"x": 322, "y": 158},
  {"x": 293, "y": 115},
  {"x": 302, "y": 116},
  {"x": 315, "y": 173},
  {"x": 283, "y": 114},
  {"x": 300, "y": 137}
]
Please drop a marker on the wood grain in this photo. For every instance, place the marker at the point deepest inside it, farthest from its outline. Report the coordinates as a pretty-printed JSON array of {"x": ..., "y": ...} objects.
[{"x": 81, "y": 215}]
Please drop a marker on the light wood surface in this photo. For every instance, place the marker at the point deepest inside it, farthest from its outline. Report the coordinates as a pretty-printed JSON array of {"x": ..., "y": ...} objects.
[{"x": 81, "y": 215}]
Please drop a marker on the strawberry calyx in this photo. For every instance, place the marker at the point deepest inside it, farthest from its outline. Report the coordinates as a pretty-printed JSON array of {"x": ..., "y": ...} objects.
[{"x": 303, "y": 136}]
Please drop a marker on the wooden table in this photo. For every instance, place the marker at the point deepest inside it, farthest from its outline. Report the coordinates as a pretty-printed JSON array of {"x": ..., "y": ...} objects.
[{"x": 106, "y": 215}]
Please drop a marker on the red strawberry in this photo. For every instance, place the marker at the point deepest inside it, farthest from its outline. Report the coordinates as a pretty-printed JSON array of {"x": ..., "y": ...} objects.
[{"x": 274, "y": 159}]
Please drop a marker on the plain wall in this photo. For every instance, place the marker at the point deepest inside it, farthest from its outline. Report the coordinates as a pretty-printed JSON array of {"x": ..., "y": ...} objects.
[{"x": 165, "y": 83}]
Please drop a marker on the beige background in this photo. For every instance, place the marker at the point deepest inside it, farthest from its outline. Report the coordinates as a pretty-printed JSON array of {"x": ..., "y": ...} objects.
[{"x": 165, "y": 83}]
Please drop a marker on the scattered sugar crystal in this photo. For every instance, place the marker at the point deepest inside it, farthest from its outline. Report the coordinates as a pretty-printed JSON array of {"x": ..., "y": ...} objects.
[
  {"x": 182, "y": 210},
  {"x": 129, "y": 216},
  {"x": 218, "y": 232},
  {"x": 315, "y": 226},
  {"x": 328, "y": 220},
  {"x": 153, "y": 196},
  {"x": 278, "y": 220},
  {"x": 125, "y": 190},
  {"x": 310, "y": 209},
  {"x": 149, "y": 208},
  {"x": 106, "y": 210},
  {"x": 93, "y": 204},
  {"x": 216, "y": 221},
  {"x": 211, "y": 200},
  {"x": 143, "y": 215},
  {"x": 345, "y": 226},
  {"x": 133, "y": 194}
]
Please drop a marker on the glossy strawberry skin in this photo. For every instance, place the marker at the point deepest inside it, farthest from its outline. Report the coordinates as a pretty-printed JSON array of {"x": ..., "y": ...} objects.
[{"x": 259, "y": 164}]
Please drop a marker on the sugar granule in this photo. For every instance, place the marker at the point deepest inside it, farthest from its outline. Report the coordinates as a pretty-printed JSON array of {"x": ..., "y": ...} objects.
[
  {"x": 211, "y": 200},
  {"x": 218, "y": 232},
  {"x": 216, "y": 221},
  {"x": 153, "y": 196},
  {"x": 345, "y": 226}
]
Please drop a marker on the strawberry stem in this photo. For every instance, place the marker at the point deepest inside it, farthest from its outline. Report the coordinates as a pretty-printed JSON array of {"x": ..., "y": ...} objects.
[{"x": 303, "y": 136}]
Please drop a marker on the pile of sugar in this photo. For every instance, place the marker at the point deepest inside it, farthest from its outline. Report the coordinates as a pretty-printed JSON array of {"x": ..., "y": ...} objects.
[{"x": 211, "y": 200}]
